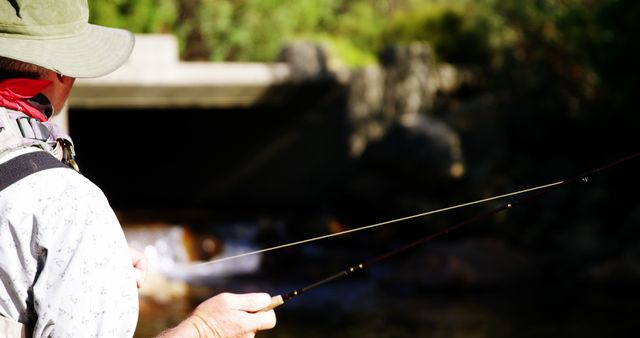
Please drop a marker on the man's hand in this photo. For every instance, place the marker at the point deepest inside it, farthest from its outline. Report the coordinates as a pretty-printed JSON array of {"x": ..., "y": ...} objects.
[
  {"x": 227, "y": 315},
  {"x": 141, "y": 265}
]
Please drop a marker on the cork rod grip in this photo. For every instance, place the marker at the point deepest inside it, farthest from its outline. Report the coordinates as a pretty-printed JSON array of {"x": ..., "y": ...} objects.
[{"x": 275, "y": 302}]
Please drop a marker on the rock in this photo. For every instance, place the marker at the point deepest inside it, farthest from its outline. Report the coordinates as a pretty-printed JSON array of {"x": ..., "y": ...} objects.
[
  {"x": 307, "y": 61},
  {"x": 425, "y": 150}
]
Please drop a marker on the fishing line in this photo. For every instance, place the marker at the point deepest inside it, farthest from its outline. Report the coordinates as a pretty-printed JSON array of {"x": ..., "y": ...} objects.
[
  {"x": 584, "y": 177},
  {"x": 432, "y": 212}
]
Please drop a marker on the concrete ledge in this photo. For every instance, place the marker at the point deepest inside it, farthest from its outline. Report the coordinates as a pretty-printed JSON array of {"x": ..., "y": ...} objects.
[{"x": 154, "y": 77}]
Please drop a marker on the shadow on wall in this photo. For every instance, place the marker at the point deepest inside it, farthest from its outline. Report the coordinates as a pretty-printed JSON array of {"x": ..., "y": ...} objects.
[{"x": 300, "y": 150}]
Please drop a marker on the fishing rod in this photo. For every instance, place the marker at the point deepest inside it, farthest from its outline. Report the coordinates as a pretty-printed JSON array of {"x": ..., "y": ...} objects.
[{"x": 540, "y": 191}]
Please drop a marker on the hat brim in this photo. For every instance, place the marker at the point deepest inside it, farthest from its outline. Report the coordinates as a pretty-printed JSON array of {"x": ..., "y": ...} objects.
[{"x": 95, "y": 52}]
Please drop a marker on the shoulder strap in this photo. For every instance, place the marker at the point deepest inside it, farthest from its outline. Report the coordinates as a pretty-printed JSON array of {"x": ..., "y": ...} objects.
[{"x": 24, "y": 165}]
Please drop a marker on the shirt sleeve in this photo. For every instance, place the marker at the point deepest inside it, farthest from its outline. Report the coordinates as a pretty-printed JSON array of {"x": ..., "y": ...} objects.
[{"x": 85, "y": 285}]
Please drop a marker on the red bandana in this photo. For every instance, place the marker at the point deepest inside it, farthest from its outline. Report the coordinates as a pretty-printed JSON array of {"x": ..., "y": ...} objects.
[{"x": 14, "y": 92}]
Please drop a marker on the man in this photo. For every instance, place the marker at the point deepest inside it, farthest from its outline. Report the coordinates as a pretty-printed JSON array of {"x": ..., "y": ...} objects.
[{"x": 65, "y": 269}]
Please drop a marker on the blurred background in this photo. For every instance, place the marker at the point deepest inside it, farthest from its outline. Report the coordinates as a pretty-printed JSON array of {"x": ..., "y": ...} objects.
[{"x": 239, "y": 125}]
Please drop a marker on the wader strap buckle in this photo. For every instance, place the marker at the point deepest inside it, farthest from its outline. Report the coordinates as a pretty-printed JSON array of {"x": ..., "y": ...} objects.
[{"x": 33, "y": 129}]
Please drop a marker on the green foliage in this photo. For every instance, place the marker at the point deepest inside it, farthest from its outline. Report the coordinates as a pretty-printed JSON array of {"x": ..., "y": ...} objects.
[
  {"x": 254, "y": 29},
  {"x": 140, "y": 16},
  {"x": 343, "y": 52},
  {"x": 457, "y": 30},
  {"x": 251, "y": 30},
  {"x": 359, "y": 22},
  {"x": 352, "y": 31},
  {"x": 551, "y": 57}
]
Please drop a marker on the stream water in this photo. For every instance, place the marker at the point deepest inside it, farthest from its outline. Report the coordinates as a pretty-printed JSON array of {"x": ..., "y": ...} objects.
[
  {"x": 350, "y": 309},
  {"x": 372, "y": 304}
]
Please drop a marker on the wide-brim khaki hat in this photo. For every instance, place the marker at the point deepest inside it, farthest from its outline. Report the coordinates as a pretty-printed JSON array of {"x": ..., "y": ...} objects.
[{"x": 56, "y": 34}]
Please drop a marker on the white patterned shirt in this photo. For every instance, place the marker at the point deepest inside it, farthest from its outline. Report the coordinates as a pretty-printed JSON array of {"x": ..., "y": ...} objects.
[{"x": 65, "y": 268}]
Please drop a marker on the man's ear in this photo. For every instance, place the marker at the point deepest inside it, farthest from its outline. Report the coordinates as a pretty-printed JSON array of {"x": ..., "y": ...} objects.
[
  {"x": 59, "y": 90},
  {"x": 65, "y": 79}
]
